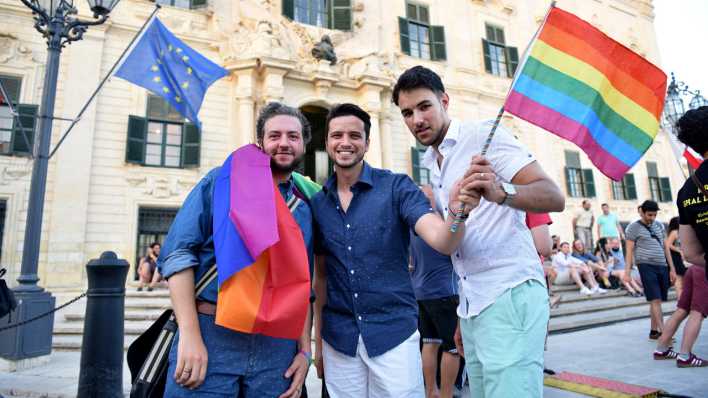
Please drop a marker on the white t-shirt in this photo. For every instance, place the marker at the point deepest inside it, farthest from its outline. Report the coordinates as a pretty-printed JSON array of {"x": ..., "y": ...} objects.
[
  {"x": 563, "y": 261},
  {"x": 497, "y": 251}
]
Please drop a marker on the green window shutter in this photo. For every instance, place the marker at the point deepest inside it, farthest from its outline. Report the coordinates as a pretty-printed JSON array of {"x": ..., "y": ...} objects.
[
  {"x": 341, "y": 14},
  {"x": 415, "y": 164},
  {"x": 198, "y": 3},
  {"x": 512, "y": 57},
  {"x": 23, "y": 137},
  {"x": 630, "y": 186},
  {"x": 652, "y": 170},
  {"x": 487, "y": 56},
  {"x": 289, "y": 9},
  {"x": 589, "y": 182},
  {"x": 405, "y": 39},
  {"x": 137, "y": 135},
  {"x": 191, "y": 144},
  {"x": 665, "y": 187},
  {"x": 437, "y": 43},
  {"x": 568, "y": 188}
]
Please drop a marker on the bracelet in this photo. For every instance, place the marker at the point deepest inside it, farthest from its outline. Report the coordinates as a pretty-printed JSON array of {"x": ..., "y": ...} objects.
[{"x": 307, "y": 355}]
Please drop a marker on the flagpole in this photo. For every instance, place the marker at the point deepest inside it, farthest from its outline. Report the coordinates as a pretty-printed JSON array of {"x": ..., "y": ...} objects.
[
  {"x": 458, "y": 216},
  {"x": 105, "y": 78}
]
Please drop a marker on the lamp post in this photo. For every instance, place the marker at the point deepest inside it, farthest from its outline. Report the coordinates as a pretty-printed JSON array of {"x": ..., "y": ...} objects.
[
  {"x": 56, "y": 20},
  {"x": 674, "y": 106}
]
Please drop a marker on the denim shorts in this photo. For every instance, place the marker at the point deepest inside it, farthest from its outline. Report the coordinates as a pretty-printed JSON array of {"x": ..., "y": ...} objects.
[
  {"x": 655, "y": 279},
  {"x": 239, "y": 365}
]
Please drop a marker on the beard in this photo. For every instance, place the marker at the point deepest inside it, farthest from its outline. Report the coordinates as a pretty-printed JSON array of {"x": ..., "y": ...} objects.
[
  {"x": 286, "y": 168},
  {"x": 348, "y": 164}
]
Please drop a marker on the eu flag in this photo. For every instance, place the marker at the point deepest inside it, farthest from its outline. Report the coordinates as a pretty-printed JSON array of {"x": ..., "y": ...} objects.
[{"x": 163, "y": 64}]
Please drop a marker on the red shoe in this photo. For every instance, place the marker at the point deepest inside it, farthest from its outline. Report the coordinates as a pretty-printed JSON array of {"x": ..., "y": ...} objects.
[
  {"x": 692, "y": 362},
  {"x": 668, "y": 354}
]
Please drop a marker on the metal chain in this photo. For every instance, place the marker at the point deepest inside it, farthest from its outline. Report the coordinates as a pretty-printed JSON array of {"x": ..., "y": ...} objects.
[{"x": 26, "y": 321}]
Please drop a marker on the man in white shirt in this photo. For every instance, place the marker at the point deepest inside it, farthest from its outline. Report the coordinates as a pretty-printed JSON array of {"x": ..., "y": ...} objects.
[
  {"x": 570, "y": 269},
  {"x": 582, "y": 224},
  {"x": 503, "y": 298}
]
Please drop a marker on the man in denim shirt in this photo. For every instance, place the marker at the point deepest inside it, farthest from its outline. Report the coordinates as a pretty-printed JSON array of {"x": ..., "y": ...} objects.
[
  {"x": 207, "y": 359},
  {"x": 366, "y": 311}
]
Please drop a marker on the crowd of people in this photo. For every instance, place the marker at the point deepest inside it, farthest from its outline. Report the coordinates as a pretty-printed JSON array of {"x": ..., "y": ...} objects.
[{"x": 386, "y": 304}]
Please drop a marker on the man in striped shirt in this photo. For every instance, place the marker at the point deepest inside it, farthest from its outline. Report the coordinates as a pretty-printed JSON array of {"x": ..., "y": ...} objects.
[{"x": 645, "y": 247}]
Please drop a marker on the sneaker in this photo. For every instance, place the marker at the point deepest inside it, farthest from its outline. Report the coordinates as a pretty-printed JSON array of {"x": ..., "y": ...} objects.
[
  {"x": 692, "y": 362},
  {"x": 586, "y": 291},
  {"x": 654, "y": 335},
  {"x": 600, "y": 290},
  {"x": 149, "y": 289},
  {"x": 140, "y": 288},
  {"x": 668, "y": 354}
]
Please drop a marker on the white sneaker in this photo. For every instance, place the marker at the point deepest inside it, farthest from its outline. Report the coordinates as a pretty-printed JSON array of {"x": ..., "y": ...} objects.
[
  {"x": 586, "y": 291},
  {"x": 600, "y": 290}
]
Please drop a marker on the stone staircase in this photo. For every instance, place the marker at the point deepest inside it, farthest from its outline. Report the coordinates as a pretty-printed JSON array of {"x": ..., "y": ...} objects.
[{"x": 575, "y": 312}]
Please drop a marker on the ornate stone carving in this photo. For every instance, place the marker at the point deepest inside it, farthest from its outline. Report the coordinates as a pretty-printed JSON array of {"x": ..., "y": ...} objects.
[
  {"x": 160, "y": 187},
  {"x": 324, "y": 50},
  {"x": 14, "y": 173},
  {"x": 11, "y": 49}
]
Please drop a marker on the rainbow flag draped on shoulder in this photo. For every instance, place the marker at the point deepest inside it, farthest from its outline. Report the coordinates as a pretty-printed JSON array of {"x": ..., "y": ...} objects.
[
  {"x": 581, "y": 85},
  {"x": 262, "y": 263}
]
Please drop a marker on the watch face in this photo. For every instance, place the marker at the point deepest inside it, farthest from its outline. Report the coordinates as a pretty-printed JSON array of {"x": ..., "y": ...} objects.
[{"x": 509, "y": 189}]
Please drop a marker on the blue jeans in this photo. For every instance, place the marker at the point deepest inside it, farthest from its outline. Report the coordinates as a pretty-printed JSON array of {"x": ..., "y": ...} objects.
[{"x": 240, "y": 365}]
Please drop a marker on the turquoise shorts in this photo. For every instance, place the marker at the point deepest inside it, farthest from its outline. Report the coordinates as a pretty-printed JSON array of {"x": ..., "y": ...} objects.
[{"x": 504, "y": 344}]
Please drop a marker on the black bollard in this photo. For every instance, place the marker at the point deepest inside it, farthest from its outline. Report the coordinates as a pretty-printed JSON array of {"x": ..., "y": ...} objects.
[{"x": 101, "y": 372}]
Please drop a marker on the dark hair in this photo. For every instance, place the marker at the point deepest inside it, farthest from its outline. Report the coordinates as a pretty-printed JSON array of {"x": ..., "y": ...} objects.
[
  {"x": 673, "y": 224},
  {"x": 649, "y": 205},
  {"x": 564, "y": 243},
  {"x": 276, "y": 109},
  {"x": 693, "y": 129},
  {"x": 604, "y": 204},
  {"x": 601, "y": 245},
  {"x": 348, "y": 109},
  {"x": 153, "y": 244},
  {"x": 418, "y": 77}
]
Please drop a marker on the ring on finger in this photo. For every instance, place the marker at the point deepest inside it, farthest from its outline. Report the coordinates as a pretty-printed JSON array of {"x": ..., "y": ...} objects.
[{"x": 481, "y": 175}]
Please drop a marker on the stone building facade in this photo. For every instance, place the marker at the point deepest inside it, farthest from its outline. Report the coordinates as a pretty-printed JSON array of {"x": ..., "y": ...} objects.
[{"x": 119, "y": 178}]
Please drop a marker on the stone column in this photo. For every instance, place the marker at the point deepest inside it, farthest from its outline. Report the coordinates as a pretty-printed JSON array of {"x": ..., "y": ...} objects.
[
  {"x": 72, "y": 164},
  {"x": 370, "y": 100},
  {"x": 245, "y": 104}
]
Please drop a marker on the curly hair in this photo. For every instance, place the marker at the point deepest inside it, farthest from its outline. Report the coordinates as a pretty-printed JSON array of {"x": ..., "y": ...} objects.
[
  {"x": 693, "y": 129},
  {"x": 418, "y": 77},
  {"x": 275, "y": 109}
]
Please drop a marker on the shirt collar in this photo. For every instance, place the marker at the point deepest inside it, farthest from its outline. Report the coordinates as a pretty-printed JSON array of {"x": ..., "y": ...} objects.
[
  {"x": 451, "y": 138},
  {"x": 365, "y": 178}
]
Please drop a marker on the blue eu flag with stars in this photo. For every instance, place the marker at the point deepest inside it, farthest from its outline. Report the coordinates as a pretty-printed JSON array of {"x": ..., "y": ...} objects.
[{"x": 166, "y": 66}]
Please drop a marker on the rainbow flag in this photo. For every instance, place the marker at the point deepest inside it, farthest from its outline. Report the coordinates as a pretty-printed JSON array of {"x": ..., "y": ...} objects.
[
  {"x": 262, "y": 264},
  {"x": 583, "y": 86}
]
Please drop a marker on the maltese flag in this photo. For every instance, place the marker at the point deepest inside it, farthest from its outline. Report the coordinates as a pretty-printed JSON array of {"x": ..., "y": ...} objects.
[{"x": 682, "y": 151}]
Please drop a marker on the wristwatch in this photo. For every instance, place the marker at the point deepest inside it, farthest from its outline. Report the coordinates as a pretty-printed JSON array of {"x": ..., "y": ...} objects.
[{"x": 510, "y": 191}]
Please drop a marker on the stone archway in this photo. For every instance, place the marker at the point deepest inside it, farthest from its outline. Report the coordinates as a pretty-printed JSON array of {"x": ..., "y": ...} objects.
[{"x": 316, "y": 164}]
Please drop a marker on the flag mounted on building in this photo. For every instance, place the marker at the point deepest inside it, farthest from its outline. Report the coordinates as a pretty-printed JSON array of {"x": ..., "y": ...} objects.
[
  {"x": 166, "y": 66},
  {"x": 581, "y": 85}
]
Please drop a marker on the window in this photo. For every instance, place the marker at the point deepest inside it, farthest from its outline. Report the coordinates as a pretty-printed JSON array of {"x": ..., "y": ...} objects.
[
  {"x": 183, "y": 3},
  {"x": 3, "y": 211},
  {"x": 499, "y": 59},
  {"x": 579, "y": 182},
  {"x": 421, "y": 175},
  {"x": 16, "y": 133},
  {"x": 331, "y": 14},
  {"x": 625, "y": 189},
  {"x": 659, "y": 187},
  {"x": 153, "y": 225},
  {"x": 418, "y": 38},
  {"x": 163, "y": 139}
]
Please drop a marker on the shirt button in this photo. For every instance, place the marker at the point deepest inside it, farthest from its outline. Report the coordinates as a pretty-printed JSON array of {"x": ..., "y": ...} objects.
[
  {"x": 349, "y": 248},
  {"x": 347, "y": 225},
  {"x": 457, "y": 255},
  {"x": 351, "y": 272},
  {"x": 356, "y": 295},
  {"x": 464, "y": 277},
  {"x": 440, "y": 186},
  {"x": 337, "y": 207},
  {"x": 359, "y": 317}
]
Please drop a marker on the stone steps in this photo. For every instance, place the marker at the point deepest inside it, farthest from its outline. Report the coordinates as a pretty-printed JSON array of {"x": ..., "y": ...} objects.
[{"x": 575, "y": 312}]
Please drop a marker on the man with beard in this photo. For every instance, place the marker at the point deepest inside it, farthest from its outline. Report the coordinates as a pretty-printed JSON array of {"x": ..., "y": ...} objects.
[
  {"x": 206, "y": 358},
  {"x": 503, "y": 299},
  {"x": 365, "y": 309}
]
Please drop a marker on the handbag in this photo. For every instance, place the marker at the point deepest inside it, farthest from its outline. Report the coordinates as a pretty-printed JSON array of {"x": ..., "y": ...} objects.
[
  {"x": 7, "y": 298},
  {"x": 147, "y": 355}
]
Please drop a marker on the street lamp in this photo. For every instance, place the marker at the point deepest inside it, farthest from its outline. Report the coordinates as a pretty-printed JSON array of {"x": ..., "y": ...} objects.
[
  {"x": 674, "y": 107},
  {"x": 56, "y": 20}
]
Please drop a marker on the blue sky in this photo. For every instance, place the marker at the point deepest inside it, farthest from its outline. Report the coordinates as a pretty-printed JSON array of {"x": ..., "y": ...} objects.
[{"x": 682, "y": 34}]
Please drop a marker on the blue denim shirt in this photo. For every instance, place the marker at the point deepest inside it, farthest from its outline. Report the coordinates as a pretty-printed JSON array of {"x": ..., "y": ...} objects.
[
  {"x": 190, "y": 243},
  {"x": 369, "y": 291}
]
